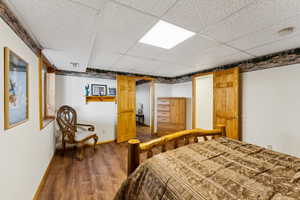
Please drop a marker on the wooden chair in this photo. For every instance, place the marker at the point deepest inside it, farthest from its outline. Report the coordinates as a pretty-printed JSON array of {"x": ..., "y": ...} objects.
[{"x": 67, "y": 121}]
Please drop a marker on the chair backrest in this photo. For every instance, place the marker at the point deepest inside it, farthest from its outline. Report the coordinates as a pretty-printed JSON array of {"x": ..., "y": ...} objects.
[{"x": 67, "y": 120}]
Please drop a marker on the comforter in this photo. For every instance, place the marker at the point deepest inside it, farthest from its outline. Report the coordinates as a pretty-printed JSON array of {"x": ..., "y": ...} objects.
[{"x": 218, "y": 169}]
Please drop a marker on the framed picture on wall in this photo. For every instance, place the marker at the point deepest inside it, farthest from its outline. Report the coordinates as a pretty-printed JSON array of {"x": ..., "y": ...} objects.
[
  {"x": 15, "y": 89},
  {"x": 99, "y": 90}
]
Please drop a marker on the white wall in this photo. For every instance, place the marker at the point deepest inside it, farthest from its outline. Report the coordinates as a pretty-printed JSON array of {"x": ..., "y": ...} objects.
[
  {"x": 70, "y": 91},
  {"x": 143, "y": 97},
  {"x": 25, "y": 151},
  {"x": 184, "y": 90},
  {"x": 271, "y": 108},
  {"x": 204, "y": 102}
]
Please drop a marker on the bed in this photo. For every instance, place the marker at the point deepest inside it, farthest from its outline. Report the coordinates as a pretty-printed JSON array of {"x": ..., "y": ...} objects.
[{"x": 220, "y": 168}]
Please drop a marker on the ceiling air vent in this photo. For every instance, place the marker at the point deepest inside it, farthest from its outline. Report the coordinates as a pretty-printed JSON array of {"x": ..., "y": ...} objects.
[
  {"x": 75, "y": 64},
  {"x": 286, "y": 31}
]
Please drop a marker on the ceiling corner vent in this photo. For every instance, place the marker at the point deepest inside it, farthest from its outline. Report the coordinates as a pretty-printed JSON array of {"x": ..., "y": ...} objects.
[
  {"x": 75, "y": 64},
  {"x": 286, "y": 31}
]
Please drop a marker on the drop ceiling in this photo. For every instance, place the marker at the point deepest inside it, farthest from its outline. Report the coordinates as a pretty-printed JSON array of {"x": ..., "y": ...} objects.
[{"x": 105, "y": 34}]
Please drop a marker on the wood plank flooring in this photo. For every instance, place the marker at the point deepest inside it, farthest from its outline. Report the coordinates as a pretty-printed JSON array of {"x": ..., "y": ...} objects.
[{"x": 98, "y": 176}]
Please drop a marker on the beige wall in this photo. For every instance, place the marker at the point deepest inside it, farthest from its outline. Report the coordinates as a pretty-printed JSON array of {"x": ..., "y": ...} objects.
[
  {"x": 25, "y": 151},
  {"x": 271, "y": 108},
  {"x": 103, "y": 115}
]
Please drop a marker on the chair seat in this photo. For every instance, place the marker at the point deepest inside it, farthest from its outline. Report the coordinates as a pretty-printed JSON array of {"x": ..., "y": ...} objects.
[{"x": 81, "y": 135}]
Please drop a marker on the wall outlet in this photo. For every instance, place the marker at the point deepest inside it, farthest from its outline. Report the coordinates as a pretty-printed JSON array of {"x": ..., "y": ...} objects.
[{"x": 270, "y": 146}]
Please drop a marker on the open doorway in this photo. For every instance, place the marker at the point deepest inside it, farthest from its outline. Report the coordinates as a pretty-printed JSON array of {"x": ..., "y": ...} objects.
[
  {"x": 144, "y": 105},
  {"x": 127, "y": 109}
]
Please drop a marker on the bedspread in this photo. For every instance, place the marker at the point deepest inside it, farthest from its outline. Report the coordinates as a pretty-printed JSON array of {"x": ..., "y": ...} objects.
[{"x": 218, "y": 169}]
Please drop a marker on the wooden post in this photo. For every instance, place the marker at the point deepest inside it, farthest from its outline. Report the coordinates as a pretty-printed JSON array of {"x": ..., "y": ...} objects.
[
  {"x": 223, "y": 129},
  {"x": 133, "y": 155}
]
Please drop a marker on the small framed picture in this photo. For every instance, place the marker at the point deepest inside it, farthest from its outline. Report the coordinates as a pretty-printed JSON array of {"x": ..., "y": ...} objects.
[
  {"x": 15, "y": 89},
  {"x": 112, "y": 91},
  {"x": 99, "y": 90}
]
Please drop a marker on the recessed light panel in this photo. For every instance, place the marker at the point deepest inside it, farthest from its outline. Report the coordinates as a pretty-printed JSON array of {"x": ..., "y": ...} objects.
[{"x": 166, "y": 35}]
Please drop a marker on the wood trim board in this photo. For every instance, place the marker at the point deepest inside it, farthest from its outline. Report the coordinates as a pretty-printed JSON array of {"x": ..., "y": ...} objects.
[{"x": 43, "y": 180}]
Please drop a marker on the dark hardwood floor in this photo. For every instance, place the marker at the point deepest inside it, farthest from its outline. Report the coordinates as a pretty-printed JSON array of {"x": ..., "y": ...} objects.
[{"x": 98, "y": 176}]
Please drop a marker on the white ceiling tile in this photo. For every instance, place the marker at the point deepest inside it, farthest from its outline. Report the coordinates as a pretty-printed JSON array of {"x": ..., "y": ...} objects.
[
  {"x": 189, "y": 51},
  {"x": 154, "y": 7},
  {"x": 281, "y": 45},
  {"x": 259, "y": 15},
  {"x": 212, "y": 61},
  {"x": 139, "y": 65},
  {"x": 195, "y": 15},
  {"x": 95, "y": 4},
  {"x": 219, "y": 51},
  {"x": 209, "y": 62},
  {"x": 60, "y": 25},
  {"x": 136, "y": 63},
  {"x": 145, "y": 51},
  {"x": 120, "y": 28},
  {"x": 103, "y": 59},
  {"x": 174, "y": 70},
  {"x": 105, "y": 33},
  {"x": 63, "y": 60},
  {"x": 267, "y": 35}
]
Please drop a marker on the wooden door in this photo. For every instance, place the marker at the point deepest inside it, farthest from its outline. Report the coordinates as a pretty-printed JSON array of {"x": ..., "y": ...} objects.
[
  {"x": 226, "y": 101},
  {"x": 126, "y": 120}
]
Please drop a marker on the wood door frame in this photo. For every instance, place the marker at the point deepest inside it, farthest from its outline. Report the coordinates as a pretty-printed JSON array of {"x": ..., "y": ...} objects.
[
  {"x": 152, "y": 98},
  {"x": 194, "y": 96}
]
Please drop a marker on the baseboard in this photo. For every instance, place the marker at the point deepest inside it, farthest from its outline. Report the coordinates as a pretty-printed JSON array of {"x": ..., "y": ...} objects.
[
  {"x": 102, "y": 142},
  {"x": 105, "y": 142},
  {"x": 43, "y": 181}
]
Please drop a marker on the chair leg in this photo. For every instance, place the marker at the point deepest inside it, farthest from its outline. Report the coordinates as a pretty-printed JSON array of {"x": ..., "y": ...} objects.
[
  {"x": 80, "y": 152},
  {"x": 95, "y": 142},
  {"x": 63, "y": 146}
]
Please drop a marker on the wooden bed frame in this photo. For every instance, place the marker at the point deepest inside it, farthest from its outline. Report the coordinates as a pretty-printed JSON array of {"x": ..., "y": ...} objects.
[{"x": 135, "y": 147}]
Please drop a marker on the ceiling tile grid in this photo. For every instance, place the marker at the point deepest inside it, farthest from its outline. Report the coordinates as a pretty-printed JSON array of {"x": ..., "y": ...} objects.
[
  {"x": 195, "y": 15},
  {"x": 103, "y": 59},
  {"x": 274, "y": 47},
  {"x": 188, "y": 52},
  {"x": 74, "y": 33},
  {"x": 145, "y": 51},
  {"x": 267, "y": 35},
  {"x": 95, "y": 4},
  {"x": 153, "y": 7},
  {"x": 256, "y": 16},
  {"x": 118, "y": 29},
  {"x": 105, "y": 34}
]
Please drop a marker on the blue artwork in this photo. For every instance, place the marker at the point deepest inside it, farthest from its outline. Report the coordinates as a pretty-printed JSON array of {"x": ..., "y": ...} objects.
[
  {"x": 87, "y": 90},
  {"x": 17, "y": 90}
]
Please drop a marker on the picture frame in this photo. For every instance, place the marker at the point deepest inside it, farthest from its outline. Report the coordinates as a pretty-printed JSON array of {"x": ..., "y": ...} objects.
[
  {"x": 112, "y": 91},
  {"x": 16, "y": 90},
  {"x": 98, "y": 90}
]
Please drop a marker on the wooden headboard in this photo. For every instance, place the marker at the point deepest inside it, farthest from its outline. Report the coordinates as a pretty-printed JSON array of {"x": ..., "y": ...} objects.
[{"x": 135, "y": 147}]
